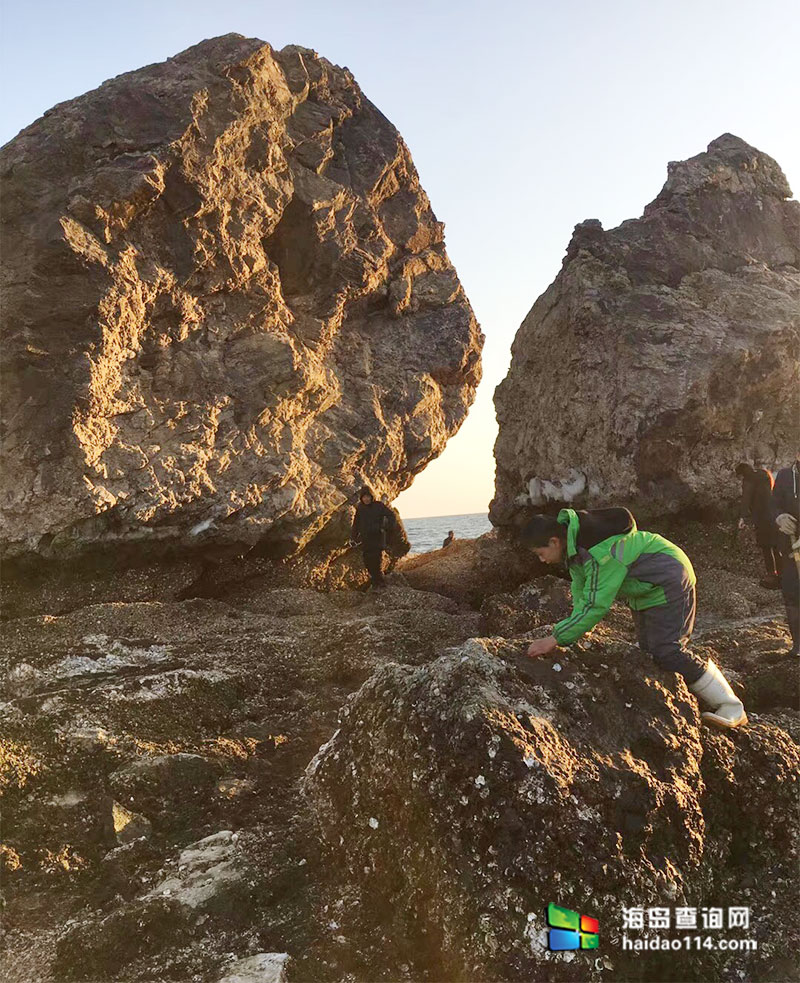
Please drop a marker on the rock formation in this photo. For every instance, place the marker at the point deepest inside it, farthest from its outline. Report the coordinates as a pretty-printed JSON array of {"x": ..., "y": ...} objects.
[
  {"x": 665, "y": 351},
  {"x": 469, "y": 570},
  {"x": 458, "y": 799},
  {"x": 227, "y": 302},
  {"x": 157, "y": 824}
]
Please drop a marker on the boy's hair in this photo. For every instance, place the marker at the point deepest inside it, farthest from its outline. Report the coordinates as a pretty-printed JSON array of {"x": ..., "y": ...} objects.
[{"x": 541, "y": 529}]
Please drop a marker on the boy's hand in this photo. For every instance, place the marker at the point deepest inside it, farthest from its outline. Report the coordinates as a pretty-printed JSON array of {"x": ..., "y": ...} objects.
[{"x": 542, "y": 646}]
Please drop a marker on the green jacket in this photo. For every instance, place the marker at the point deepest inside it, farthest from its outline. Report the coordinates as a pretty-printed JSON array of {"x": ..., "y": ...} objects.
[{"x": 642, "y": 567}]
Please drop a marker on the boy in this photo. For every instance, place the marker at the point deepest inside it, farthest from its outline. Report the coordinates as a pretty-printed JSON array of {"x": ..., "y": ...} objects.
[
  {"x": 371, "y": 524},
  {"x": 607, "y": 556}
]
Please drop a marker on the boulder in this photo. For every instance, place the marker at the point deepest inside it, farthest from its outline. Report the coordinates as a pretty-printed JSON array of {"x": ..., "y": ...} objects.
[
  {"x": 129, "y": 826},
  {"x": 265, "y": 967},
  {"x": 227, "y": 303},
  {"x": 664, "y": 352},
  {"x": 207, "y": 871},
  {"x": 95, "y": 949},
  {"x": 459, "y": 799},
  {"x": 470, "y": 570}
]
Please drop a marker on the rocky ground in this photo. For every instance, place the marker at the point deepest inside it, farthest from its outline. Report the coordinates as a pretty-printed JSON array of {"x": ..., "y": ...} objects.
[{"x": 381, "y": 786}]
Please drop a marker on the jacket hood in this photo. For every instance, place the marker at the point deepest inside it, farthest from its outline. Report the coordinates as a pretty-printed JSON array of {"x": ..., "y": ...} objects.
[
  {"x": 366, "y": 490},
  {"x": 586, "y": 528}
]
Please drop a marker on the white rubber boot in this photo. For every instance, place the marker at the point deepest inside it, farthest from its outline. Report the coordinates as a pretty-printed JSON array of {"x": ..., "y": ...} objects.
[{"x": 714, "y": 689}]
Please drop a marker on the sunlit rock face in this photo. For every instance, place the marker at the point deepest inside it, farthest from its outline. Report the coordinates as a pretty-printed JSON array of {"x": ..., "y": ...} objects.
[
  {"x": 665, "y": 351},
  {"x": 227, "y": 302}
]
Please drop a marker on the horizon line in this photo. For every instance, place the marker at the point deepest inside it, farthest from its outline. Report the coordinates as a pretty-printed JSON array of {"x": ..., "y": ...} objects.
[{"x": 445, "y": 515}]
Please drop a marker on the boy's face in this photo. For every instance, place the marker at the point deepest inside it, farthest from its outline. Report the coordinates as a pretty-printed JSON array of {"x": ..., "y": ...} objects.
[
  {"x": 366, "y": 499},
  {"x": 552, "y": 553}
]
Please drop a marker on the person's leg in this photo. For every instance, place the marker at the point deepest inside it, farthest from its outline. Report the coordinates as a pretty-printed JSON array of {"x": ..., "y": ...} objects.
[
  {"x": 380, "y": 580},
  {"x": 768, "y": 553},
  {"x": 373, "y": 562},
  {"x": 712, "y": 688},
  {"x": 640, "y": 624},
  {"x": 668, "y": 629},
  {"x": 369, "y": 563},
  {"x": 665, "y": 631},
  {"x": 790, "y": 586}
]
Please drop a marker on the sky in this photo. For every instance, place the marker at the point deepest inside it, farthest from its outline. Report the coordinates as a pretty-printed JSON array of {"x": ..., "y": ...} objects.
[{"x": 523, "y": 119}]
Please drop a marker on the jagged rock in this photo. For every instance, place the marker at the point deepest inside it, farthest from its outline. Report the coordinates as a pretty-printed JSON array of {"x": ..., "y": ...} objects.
[
  {"x": 121, "y": 869},
  {"x": 252, "y": 687},
  {"x": 207, "y": 871},
  {"x": 459, "y": 798},
  {"x": 21, "y": 680},
  {"x": 226, "y": 303},
  {"x": 129, "y": 826},
  {"x": 169, "y": 789},
  {"x": 470, "y": 570},
  {"x": 205, "y": 883},
  {"x": 544, "y": 602},
  {"x": 665, "y": 351},
  {"x": 265, "y": 967}
]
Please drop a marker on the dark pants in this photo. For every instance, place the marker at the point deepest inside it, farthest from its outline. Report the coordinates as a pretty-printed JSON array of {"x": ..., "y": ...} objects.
[
  {"x": 772, "y": 560},
  {"x": 790, "y": 586},
  {"x": 373, "y": 561},
  {"x": 664, "y": 633}
]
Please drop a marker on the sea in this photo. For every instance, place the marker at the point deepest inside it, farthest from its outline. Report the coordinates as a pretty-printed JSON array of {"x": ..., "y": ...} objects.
[{"x": 428, "y": 534}]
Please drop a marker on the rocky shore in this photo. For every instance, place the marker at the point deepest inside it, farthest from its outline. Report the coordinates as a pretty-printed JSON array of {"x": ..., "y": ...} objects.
[
  {"x": 227, "y": 304},
  {"x": 382, "y": 786}
]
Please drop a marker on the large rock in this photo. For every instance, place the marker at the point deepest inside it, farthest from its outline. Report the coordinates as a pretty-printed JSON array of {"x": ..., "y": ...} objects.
[
  {"x": 458, "y": 799},
  {"x": 469, "y": 570},
  {"x": 665, "y": 351},
  {"x": 227, "y": 302}
]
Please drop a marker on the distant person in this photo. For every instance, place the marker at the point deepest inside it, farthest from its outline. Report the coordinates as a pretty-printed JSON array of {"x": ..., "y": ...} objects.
[
  {"x": 786, "y": 508},
  {"x": 608, "y": 557},
  {"x": 451, "y": 538},
  {"x": 756, "y": 507},
  {"x": 372, "y": 525}
]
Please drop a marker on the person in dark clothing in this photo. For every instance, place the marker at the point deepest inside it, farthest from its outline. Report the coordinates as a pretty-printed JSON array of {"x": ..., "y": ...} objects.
[
  {"x": 451, "y": 538},
  {"x": 786, "y": 509},
  {"x": 608, "y": 557},
  {"x": 756, "y": 506},
  {"x": 371, "y": 525}
]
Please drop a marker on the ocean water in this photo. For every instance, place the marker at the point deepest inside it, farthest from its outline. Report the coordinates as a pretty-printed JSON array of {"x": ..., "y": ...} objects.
[{"x": 428, "y": 534}]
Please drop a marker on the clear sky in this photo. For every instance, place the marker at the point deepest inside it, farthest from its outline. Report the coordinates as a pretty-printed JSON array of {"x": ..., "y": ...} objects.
[{"x": 523, "y": 118}]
